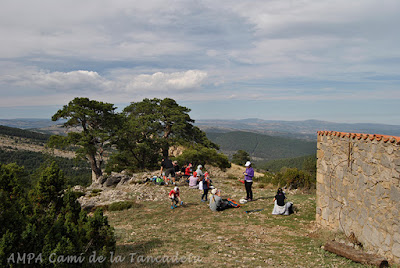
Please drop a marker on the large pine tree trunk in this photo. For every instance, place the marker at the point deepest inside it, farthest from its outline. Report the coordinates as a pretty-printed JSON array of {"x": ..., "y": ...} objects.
[{"x": 96, "y": 170}]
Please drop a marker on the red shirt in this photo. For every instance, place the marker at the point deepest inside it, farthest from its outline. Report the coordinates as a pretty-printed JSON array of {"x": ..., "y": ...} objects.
[
  {"x": 188, "y": 171},
  {"x": 173, "y": 193}
]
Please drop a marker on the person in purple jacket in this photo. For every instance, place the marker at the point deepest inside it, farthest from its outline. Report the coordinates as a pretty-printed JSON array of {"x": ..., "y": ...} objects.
[{"x": 248, "y": 181}]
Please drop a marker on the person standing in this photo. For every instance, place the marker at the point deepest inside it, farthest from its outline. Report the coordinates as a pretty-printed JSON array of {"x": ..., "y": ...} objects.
[
  {"x": 168, "y": 168},
  {"x": 206, "y": 186},
  {"x": 248, "y": 181}
]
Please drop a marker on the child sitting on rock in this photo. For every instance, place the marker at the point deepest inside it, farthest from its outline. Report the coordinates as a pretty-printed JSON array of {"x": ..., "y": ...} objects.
[{"x": 175, "y": 198}]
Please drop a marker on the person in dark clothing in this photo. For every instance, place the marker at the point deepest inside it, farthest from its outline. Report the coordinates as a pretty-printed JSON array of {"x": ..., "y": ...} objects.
[
  {"x": 280, "y": 197},
  {"x": 177, "y": 170},
  {"x": 206, "y": 187},
  {"x": 280, "y": 207},
  {"x": 168, "y": 168}
]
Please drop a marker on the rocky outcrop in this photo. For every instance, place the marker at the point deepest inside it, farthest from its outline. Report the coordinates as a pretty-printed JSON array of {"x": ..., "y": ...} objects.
[
  {"x": 118, "y": 187},
  {"x": 121, "y": 187}
]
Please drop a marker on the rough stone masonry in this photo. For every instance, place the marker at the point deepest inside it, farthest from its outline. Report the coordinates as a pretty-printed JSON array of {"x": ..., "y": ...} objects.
[{"x": 358, "y": 189}]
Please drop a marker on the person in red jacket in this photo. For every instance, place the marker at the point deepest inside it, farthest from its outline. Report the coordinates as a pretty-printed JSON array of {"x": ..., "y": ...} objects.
[
  {"x": 188, "y": 170},
  {"x": 175, "y": 198}
]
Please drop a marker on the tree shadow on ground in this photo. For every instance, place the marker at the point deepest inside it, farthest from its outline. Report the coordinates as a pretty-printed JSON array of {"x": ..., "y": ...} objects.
[
  {"x": 264, "y": 198},
  {"x": 190, "y": 204},
  {"x": 139, "y": 255}
]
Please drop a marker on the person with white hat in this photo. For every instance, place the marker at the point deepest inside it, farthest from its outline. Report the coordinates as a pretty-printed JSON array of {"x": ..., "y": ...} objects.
[
  {"x": 175, "y": 198},
  {"x": 199, "y": 172},
  {"x": 216, "y": 202},
  {"x": 248, "y": 181}
]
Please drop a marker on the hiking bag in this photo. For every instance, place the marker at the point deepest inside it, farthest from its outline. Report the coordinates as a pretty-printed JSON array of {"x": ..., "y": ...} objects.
[{"x": 233, "y": 203}]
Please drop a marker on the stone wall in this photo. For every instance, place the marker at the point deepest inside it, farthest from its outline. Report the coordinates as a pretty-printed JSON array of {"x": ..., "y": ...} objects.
[{"x": 358, "y": 189}]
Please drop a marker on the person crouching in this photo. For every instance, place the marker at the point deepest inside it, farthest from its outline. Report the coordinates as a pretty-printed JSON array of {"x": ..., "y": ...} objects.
[{"x": 175, "y": 198}]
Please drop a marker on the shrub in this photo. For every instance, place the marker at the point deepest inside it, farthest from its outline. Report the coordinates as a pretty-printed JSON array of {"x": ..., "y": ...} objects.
[
  {"x": 202, "y": 155},
  {"x": 293, "y": 178},
  {"x": 48, "y": 220},
  {"x": 240, "y": 157},
  {"x": 268, "y": 178},
  {"x": 117, "y": 206}
]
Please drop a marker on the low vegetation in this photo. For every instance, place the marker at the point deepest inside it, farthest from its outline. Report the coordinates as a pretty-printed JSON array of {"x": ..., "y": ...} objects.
[
  {"x": 296, "y": 162},
  {"x": 21, "y": 133},
  {"x": 77, "y": 172},
  {"x": 198, "y": 237},
  {"x": 47, "y": 220}
]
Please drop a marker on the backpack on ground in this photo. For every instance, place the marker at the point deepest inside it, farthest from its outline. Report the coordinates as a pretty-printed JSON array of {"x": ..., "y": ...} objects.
[{"x": 233, "y": 203}]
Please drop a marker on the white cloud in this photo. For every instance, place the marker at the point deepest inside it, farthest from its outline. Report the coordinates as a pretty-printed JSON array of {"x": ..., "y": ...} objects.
[
  {"x": 88, "y": 81},
  {"x": 167, "y": 81},
  {"x": 266, "y": 49},
  {"x": 64, "y": 81}
]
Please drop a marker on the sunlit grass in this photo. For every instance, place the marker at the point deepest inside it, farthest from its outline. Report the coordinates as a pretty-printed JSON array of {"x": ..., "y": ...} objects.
[{"x": 231, "y": 238}]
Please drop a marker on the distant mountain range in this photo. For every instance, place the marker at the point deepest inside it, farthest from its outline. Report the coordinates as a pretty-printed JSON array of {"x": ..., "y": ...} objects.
[
  {"x": 292, "y": 138},
  {"x": 296, "y": 129},
  {"x": 28, "y": 123}
]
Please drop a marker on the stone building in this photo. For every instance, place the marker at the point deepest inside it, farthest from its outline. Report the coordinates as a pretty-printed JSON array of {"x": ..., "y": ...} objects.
[{"x": 358, "y": 189}]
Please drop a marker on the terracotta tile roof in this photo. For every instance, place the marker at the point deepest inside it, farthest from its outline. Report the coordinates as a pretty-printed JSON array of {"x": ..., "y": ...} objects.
[{"x": 359, "y": 136}]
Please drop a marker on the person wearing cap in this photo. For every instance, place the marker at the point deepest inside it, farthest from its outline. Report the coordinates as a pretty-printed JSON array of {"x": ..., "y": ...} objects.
[
  {"x": 248, "y": 181},
  {"x": 193, "y": 181},
  {"x": 216, "y": 201},
  {"x": 175, "y": 198}
]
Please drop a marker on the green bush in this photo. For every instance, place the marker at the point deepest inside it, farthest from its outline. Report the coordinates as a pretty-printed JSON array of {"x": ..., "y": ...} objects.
[
  {"x": 48, "y": 220},
  {"x": 202, "y": 155},
  {"x": 122, "y": 205},
  {"x": 268, "y": 178},
  {"x": 240, "y": 157},
  {"x": 293, "y": 178}
]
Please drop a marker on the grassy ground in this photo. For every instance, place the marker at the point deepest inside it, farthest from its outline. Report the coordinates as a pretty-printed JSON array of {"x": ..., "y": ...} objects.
[{"x": 231, "y": 238}]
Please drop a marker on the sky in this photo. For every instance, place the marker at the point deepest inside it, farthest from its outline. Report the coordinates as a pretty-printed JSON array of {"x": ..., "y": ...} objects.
[{"x": 331, "y": 60}]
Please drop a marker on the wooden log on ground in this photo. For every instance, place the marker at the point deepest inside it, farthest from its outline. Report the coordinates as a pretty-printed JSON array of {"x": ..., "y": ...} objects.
[{"x": 355, "y": 255}]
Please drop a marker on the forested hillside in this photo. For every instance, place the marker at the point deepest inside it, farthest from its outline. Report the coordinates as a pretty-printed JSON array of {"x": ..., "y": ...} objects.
[
  {"x": 277, "y": 165},
  {"x": 21, "y": 133},
  {"x": 77, "y": 172},
  {"x": 27, "y": 149},
  {"x": 262, "y": 147}
]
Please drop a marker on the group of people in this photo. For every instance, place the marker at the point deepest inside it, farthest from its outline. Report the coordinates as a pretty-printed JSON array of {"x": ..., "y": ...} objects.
[
  {"x": 200, "y": 180},
  {"x": 196, "y": 180}
]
